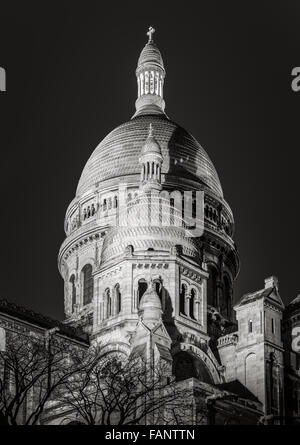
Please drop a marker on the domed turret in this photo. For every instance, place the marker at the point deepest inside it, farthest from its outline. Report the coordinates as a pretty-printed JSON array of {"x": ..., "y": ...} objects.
[
  {"x": 151, "y": 160},
  {"x": 150, "y": 53},
  {"x": 150, "y": 75},
  {"x": 150, "y": 305}
]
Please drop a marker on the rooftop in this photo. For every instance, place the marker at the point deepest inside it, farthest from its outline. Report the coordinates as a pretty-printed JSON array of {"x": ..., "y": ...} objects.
[{"x": 39, "y": 320}]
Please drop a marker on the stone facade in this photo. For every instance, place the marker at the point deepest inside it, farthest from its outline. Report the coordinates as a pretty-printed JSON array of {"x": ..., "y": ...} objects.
[{"x": 20, "y": 324}]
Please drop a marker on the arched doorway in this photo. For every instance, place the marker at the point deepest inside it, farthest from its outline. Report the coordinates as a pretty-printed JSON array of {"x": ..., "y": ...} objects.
[{"x": 186, "y": 366}]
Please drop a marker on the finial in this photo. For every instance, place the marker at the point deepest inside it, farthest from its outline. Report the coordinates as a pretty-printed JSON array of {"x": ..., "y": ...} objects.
[
  {"x": 150, "y": 131},
  {"x": 150, "y": 34},
  {"x": 151, "y": 284}
]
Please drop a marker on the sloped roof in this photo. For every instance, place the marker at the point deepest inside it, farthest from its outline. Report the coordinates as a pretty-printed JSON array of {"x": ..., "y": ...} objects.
[
  {"x": 253, "y": 296},
  {"x": 164, "y": 352},
  {"x": 139, "y": 350},
  {"x": 239, "y": 389},
  {"x": 39, "y": 320},
  {"x": 270, "y": 292}
]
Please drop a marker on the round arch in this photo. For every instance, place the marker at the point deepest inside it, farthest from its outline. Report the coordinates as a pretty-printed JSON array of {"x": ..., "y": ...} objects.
[
  {"x": 226, "y": 302},
  {"x": 187, "y": 365},
  {"x": 207, "y": 357},
  {"x": 212, "y": 297}
]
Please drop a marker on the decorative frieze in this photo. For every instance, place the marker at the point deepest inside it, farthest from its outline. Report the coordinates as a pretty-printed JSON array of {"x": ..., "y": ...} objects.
[
  {"x": 150, "y": 266},
  {"x": 87, "y": 240},
  {"x": 110, "y": 273},
  {"x": 190, "y": 274}
]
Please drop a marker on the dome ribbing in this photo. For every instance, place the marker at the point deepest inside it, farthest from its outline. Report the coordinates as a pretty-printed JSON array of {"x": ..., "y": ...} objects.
[{"x": 118, "y": 154}]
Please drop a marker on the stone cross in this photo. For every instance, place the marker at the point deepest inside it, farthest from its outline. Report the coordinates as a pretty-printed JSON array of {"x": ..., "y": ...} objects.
[{"x": 150, "y": 34}]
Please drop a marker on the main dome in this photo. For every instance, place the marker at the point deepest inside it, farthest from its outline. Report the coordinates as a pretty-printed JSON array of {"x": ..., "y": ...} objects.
[{"x": 118, "y": 154}]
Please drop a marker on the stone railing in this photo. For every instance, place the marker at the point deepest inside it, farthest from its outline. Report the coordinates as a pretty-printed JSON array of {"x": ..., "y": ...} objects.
[{"x": 229, "y": 339}]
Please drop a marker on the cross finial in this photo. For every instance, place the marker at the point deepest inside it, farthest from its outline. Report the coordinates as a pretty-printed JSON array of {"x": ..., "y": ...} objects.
[{"x": 150, "y": 34}]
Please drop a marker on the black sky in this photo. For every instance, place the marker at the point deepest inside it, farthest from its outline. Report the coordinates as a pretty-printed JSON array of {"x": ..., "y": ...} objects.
[{"x": 71, "y": 79}]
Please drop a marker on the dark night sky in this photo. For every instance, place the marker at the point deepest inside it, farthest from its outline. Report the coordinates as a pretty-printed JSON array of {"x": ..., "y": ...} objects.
[{"x": 71, "y": 79}]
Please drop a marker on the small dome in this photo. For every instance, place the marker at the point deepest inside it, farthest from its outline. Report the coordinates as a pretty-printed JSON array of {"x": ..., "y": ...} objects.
[
  {"x": 150, "y": 306},
  {"x": 150, "y": 55},
  {"x": 150, "y": 300},
  {"x": 151, "y": 145}
]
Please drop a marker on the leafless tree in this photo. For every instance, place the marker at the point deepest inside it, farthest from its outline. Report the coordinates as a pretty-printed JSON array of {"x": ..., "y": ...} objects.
[
  {"x": 100, "y": 388},
  {"x": 116, "y": 390},
  {"x": 30, "y": 374}
]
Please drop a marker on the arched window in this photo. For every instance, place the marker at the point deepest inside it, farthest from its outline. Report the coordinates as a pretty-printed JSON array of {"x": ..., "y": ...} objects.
[
  {"x": 182, "y": 299},
  {"x": 73, "y": 291},
  {"x": 192, "y": 303},
  {"x": 88, "y": 284},
  {"x": 212, "y": 286},
  {"x": 172, "y": 204},
  {"x": 118, "y": 302},
  {"x": 146, "y": 82},
  {"x": 107, "y": 303},
  {"x": 115, "y": 202},
  {"x": 250, "y": 326},
  {"x": 151, "y": 82},
  {"x": 273, "y": 325},
  {"x": 158, "y": 288},
  {"x": 226, "y": 298},
  {"x": 142, "y": 83},
  {"x": 142, "y": 287},
  {"x": 156, "y": 82}
]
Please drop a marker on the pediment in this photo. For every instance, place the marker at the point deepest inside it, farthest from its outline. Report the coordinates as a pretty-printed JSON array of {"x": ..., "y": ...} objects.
[
  {"x": 275, "y": 297},
  {"x": 161, "y": 331}
]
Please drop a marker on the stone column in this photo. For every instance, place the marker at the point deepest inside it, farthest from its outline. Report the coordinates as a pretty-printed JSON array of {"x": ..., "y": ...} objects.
[{"x": 187, "y": 305}]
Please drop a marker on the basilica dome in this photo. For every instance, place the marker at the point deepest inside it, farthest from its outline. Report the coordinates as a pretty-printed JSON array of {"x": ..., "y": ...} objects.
[
  {"x": 118, "y": 154},
  {"x": 148, "y": 194}
]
